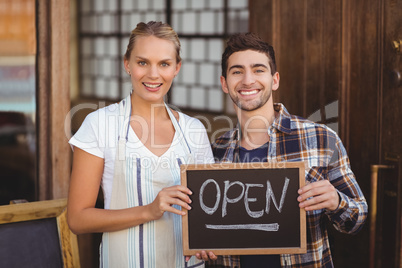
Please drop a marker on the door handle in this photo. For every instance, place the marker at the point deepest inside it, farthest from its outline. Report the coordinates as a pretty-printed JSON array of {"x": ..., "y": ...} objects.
[
  {"x": 396, "y": 79},
  {"x": 373, "y": 211},
  {"x": 397, "y": 45}
]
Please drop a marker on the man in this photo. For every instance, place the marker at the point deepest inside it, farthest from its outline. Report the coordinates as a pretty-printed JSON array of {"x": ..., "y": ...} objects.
[{"x": 267, "y": 132}]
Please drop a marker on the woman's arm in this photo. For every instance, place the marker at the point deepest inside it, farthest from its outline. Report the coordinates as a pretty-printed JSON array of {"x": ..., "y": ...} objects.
[{"x": 82, "y": 215}]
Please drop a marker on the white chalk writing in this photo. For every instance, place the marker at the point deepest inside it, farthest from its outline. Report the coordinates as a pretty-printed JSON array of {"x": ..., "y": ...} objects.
[
  {"x": 272, "y": 227},
  {"x": 244, "y": 193}
]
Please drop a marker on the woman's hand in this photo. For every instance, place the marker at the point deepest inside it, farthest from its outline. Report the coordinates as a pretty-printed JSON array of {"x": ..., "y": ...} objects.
[
  {"x": 203, "y": 255},
  {"x": 167, "y": 197},
  {"x": 206, "y": 256}
]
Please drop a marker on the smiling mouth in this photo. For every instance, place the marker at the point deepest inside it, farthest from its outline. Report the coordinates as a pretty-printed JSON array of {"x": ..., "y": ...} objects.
[
  {"x": 248, "y": 92},
  {"x": 152, "y": 85}
]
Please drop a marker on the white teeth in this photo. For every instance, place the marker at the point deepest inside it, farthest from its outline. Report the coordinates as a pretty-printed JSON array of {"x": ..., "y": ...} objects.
[
  {"x": 152, "y": 85},
  {"x": 248, "y": 92}
]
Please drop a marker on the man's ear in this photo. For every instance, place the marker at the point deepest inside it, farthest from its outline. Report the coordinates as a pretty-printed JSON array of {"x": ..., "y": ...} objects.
[
  {"x": 275, "y": 81},
  {"x": 224, "y": 85}
]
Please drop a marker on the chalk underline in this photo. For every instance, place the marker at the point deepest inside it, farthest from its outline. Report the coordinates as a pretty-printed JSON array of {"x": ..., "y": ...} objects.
[{"x": 272, "y": 227}]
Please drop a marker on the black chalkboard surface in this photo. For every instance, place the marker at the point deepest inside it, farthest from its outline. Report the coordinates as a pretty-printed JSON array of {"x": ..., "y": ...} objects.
[
  {"x": 244, "y": 208},
  {"x": 30, "y": 244},
  {"x": 36, "y": 234}
]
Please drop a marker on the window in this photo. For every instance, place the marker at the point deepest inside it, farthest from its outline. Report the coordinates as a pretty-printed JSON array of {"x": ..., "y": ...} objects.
[
  {"x": 18, "y": 132},
  {"x": 202, "y": 26}
]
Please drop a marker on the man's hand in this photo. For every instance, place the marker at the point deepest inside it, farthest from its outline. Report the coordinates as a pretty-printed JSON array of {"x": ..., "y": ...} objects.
[{"x": 322, "y": 194}]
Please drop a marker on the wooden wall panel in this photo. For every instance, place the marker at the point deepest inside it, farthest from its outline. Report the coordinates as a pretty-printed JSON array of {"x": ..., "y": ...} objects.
[
  {"x": 363, "y": 90},
  {"x": 306, "y": 36},
  {"x": 290, "y": 54},
  {"x": 314, "y": 57},
  {"x": 262, "y": 25},
  {"x": 323, "y": 55},
  {"x": 53, "y": 98}
]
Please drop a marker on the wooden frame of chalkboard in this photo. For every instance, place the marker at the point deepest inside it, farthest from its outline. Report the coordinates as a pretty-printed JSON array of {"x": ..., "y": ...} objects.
[
  {"x": 36, "y": 233},
  {"x": 244, "y": 208}
]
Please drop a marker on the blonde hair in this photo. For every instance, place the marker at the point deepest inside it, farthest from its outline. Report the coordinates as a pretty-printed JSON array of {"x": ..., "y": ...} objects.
[{"x": 157, "y": 29}]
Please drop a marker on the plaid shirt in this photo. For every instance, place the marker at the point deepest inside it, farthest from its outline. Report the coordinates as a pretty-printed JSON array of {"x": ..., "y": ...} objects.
[{"x": 296, "y": 139}]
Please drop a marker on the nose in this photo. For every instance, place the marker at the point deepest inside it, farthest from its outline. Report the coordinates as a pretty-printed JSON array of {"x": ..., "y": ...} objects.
[
  {"x": 248, "y": 78},
  {"x": 153, "y": 72}
]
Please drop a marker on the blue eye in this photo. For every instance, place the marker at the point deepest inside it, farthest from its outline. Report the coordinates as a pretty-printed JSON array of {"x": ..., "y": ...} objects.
[
  {"x": 142, "y": 63},
  {"x": 164, "y": 64}
]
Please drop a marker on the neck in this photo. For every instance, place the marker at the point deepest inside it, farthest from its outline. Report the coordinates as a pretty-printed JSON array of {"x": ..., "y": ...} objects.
[
  {"x": 254, "y": 125},
  {"x": 147, "y": 110}
]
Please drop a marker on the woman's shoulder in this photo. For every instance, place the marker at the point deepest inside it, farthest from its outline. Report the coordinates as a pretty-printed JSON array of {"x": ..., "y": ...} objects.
[
  {"x": 97, "y": 131},
  {"x": 103, "y": 114},
  {"x": 190, "y": 121}
]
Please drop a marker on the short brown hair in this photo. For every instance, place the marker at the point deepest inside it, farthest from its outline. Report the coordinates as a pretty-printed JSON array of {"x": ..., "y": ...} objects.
[
  {"x": 247, "y": 41},
  {"x": 157, "y": 29}
]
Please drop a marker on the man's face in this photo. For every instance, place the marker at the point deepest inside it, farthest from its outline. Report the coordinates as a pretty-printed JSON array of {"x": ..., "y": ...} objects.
[{"x": 248, "y": 80}]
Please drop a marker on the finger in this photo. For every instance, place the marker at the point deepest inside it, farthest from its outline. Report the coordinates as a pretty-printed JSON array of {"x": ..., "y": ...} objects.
[
  {"x": 212, "y": 256},
  {"x": 168, "y": 199},
  {"x": 198, "y": 256},
  {"x": 311, "y": 201},
  {"x": 327, "y": 200},
  {"x": 180, "y": 188},
  {"x": 319, "y": 189},
  {"x": 204, "y": 255},
  {"x": 176, "y": 194},
  {"x": 313, "y": 185},
  {"x": 188, "y": 258},
  {"x": 176, "y": 211},
  {"x": 169, "y": 202},
  {"x": 183, "y": 197}
]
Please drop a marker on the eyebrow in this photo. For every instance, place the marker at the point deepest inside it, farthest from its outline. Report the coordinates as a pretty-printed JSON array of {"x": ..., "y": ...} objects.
[
  {"x": 259, "y": 65},
  {"x": 255, "y": 65},
  {"x": 145, "y": 59}
]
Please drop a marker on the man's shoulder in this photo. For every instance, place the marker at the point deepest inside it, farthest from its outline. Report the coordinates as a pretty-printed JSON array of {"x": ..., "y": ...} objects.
[
  {"x": 299, "y": 124},
  {"x": 295, "y": 124},
  {"x": 313, "y": 134}
]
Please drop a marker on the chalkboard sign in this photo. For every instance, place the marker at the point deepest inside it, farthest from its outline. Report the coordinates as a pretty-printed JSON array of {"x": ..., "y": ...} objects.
[
  {"x": 36, "y": 234},
  {"x": 244, "y": 208}
]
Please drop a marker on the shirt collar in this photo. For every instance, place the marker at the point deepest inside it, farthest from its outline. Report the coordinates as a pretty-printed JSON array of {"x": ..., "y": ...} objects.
[{"x": 281, "y": 122}]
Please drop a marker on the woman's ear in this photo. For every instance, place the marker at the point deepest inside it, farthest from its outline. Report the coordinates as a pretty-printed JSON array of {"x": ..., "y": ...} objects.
[
  {"x": 178, "y": 66},
  {"x": 127, "y": 66}
]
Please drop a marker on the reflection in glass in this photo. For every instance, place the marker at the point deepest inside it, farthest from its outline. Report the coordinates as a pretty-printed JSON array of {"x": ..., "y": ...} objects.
[
  {"x": 17, "y": 129},
  {"x": 198, "y": 98}
]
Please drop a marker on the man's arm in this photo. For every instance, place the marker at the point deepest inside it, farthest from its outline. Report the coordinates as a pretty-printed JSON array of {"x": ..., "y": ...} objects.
[{"x": 340, "y": 195}]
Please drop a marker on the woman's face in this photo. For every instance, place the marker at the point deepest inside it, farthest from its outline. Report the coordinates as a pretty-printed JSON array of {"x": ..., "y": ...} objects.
[{"x": 152, "y": 66}]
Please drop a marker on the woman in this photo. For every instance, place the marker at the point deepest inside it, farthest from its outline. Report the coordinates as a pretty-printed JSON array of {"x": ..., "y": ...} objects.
[{"x": 133, "y": 150}]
